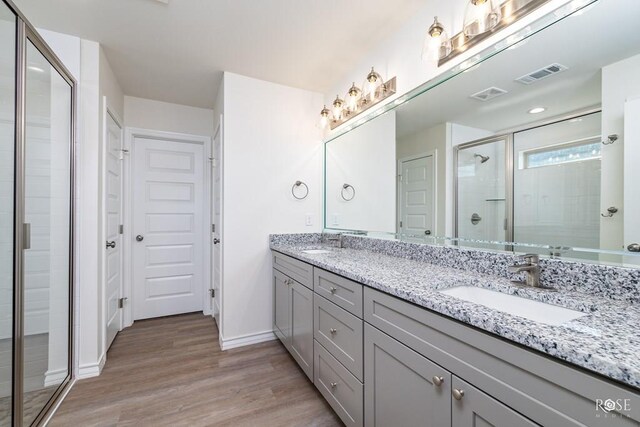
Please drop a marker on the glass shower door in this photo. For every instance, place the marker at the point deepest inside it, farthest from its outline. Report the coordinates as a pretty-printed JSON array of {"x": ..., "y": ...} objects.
[
  {"x": 47, "y": 201},
  {"x": 481, "y": 200},
  {"x": 7, "y": 155}
]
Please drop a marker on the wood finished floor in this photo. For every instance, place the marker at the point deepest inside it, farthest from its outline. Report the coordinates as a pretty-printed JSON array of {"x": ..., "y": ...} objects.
[{"x": 171, "y": 372}]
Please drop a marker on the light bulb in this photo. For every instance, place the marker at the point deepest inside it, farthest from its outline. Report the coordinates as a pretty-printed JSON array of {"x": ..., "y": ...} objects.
[
  {"x": 324, "y": 117},
  {"x": 436, "y": 43},
  {"x": 372, "y": 84},
  {"x": 480, "y": 16},
  {"x": 338, "y": 106},
  {"x": 353, "y": 97}
]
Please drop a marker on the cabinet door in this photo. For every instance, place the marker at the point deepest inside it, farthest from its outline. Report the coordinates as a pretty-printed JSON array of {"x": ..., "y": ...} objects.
[
  {"x": 281, "y": 307},
  {"x": 302, "y": 327},
  {"x": 402, "y": 388},
  {"x": 473, "y": 408}
]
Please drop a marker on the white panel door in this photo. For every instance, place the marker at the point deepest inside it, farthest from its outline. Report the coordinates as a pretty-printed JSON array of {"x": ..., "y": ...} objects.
[
  {"x": 113, "y": 220},
  {"x": 216, "y": 200},
  {"x": 416, "y": 197},
  {"x": 167, "y": 227},
  {"x": 631, "y": 178}
]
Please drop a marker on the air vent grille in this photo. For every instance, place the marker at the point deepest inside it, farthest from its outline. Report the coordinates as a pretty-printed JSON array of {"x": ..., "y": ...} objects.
[
  {"x": 487, "y": 94},
  {"x": 541, "y": 74}
]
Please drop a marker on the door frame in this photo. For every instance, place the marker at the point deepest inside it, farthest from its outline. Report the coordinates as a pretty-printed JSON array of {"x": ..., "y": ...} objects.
[
  {"x": 131, "y": 133},
  {"x": 106, "y": 112},
  {"x": 216, "y": 163},
  {"x": 433, "y": 154}
]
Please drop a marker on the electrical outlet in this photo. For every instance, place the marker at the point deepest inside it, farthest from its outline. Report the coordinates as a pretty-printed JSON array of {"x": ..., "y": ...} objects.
[{"x": 308, "y": 220}]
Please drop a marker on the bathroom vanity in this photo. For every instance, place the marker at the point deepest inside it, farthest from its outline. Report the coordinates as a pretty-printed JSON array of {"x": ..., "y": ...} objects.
[{"x": 373, "y": 326}]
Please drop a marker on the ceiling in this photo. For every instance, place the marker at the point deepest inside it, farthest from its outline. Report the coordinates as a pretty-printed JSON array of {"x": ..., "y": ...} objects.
[
  {"x": 176, "y": 52},
  {"x": 575, "y": 42}
]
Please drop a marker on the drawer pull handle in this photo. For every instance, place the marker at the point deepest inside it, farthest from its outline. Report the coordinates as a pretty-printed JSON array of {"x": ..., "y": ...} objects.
[
  {"x": 334, "y": 385},
  {"x": 457, "y": 394},
  {"x": 333, "y": 331},
  {"x": 332, "y": 290},
  {"x": 437, "y": 380}
]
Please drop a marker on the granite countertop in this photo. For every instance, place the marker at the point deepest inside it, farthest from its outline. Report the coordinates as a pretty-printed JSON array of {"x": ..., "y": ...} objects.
[{"x": 606, "y": 341}]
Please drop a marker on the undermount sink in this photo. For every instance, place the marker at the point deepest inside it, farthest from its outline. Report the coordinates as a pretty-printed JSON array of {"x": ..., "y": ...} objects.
[
  {"x": 529, "y": 309},
  {"x": 316, "y": 251}
]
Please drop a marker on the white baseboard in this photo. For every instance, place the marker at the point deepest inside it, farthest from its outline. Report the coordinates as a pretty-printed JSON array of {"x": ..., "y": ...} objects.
[
  {"x": 92, "y": 369},
  {"x": 229, "y": 343},
  {"x": 55, "y": 377}
]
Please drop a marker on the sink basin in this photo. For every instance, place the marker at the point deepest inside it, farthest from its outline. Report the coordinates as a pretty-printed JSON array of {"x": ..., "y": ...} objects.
[
  {"x": 529, "y": 309},
  {"x": 316, "y": 251}
]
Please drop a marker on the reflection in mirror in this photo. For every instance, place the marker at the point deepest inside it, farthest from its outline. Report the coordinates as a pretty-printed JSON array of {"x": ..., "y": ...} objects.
[
  {"x": 538, "y": 144},
  {"x": 46, "y": 261},
  {"x": 7, "y": 155}
]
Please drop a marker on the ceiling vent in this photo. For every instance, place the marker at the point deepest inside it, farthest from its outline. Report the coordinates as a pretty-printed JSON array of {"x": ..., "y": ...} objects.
[
  {"x": 541, "y": 74},
  {"x": 487, "y": 94}
]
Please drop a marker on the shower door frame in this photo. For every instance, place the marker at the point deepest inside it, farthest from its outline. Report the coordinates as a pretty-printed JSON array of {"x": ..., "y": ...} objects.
[
  {"x": 27, "y": 33},
  {"x": 507, "y": 138}
]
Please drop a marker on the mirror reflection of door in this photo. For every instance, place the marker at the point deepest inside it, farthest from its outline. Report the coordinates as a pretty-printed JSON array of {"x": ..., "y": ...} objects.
[{"x": 416, "y": 200}]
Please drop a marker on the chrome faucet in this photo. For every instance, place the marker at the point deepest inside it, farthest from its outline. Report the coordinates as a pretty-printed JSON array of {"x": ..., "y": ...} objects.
[
  {"x": 531, "y": 268},
  {"x": 334, "y": 237}
]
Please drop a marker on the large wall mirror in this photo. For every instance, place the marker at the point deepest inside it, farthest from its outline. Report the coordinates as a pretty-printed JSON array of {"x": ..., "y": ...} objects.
[{"x": 536, "y": 148}]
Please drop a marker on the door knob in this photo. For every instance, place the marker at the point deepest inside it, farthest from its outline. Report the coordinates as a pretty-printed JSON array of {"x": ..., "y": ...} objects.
[
  {"x": 634, "y": 247},
  {"x": 457, "y": 394},
  {"x": 216, "y": 241},
  {"x": 139, "y": 238},
  {"x": 111, "y": 244}
]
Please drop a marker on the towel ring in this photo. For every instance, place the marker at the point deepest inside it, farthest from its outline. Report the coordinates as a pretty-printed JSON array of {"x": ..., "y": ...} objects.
[
  {"x": 298, "y": 184},
  {"x": 346, "y": 187}
]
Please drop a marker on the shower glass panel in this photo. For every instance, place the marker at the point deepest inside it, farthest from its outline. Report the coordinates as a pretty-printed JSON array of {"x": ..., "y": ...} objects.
[
  {"x": 481, "y": 192},
  {"x": 46, "y": 262},
  {"x": 7, "y": 155},
  {"x": 557, "y": 183}
]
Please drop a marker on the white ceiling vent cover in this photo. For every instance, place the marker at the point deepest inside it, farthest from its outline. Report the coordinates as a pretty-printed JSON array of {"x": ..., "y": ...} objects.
[
  {"x": 541, "y": 74},
  {"x": 487, "y": 94}
]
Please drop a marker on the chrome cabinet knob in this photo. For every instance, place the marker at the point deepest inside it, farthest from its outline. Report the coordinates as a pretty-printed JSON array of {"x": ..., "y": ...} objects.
[
  {"x": 437, "y": 380},
  {"x": 332, "y": 290},
  {"x": 333, "y": 331},
  {"x": 111, "y": 244},
  {"x": 334, "y": 385},
  {"x": 139, "y": 238},
  {"x": 457, "y": 394},
  {"x": 634, "y": 247}
]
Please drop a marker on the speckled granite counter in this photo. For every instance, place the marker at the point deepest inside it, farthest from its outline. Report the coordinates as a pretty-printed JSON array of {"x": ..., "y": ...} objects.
[{"x": 607, "y": 341}]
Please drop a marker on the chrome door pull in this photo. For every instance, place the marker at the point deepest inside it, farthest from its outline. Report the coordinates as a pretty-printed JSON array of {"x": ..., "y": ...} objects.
[
  {"x": 437, "y": 380},
  {"x": 26, "y": 239},
  {"x": 139, "y": 238},
  {"x": 111, "y": 244},
  {"x": 457, "y": 394}
]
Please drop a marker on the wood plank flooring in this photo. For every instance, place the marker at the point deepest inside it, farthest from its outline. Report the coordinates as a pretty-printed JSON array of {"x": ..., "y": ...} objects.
[{"x": 171, "y": 372}]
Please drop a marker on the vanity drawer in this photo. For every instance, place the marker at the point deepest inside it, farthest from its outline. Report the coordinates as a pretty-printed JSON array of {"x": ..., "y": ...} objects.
[
  {"x": 339, "y": 387},
  {"x": 343, "y": 292},
  {"x": 340, "y": 332},
  {"x": 299, "y": 271}
]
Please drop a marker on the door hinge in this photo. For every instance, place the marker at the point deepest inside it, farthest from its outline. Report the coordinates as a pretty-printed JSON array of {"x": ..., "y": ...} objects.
[
  {"x": 212, "y": 292},
  {"x": 121, "y": 228},
  {"x": 400, "y": 224},
  {"x": 121, "y": 302},
  {"x": 213, "y": 228}
]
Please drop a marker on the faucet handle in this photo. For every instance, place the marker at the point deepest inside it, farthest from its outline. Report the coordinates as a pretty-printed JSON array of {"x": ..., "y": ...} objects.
[{"x": 531, "y": 258}]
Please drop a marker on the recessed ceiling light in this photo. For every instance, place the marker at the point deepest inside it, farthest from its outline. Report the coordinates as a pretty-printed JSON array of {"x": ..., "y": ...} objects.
[
  {"x": 537, "y": 110},
  {"x": 36, "y": 69}
]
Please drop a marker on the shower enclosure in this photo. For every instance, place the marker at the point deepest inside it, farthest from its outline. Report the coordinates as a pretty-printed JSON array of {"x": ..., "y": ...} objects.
[{"x": 37, "y": 126}]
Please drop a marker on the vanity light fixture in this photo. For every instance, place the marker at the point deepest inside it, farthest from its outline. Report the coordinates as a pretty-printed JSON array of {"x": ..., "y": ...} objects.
[
  {"x": 436, "y": 44},
  {"x": 375, "y": 89},
  {"x": 537, "y": 110},
  {"x": 482, "y": 18}
]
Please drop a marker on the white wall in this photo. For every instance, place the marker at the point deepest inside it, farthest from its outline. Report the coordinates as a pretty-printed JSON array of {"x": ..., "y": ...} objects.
[
  {"x": 163, "y": 116},
  {"x": 433, "y": 139},
  {"x": 366, "y": 159},
  {"x": 270, "y": 141},
  {"x": 620, "y": 82}
]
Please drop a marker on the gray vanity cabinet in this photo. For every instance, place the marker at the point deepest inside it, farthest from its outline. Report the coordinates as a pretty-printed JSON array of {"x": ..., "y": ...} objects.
[
  {"x": 302, "y": 327},
  {"x": 403, "y": 388},
  {"x": 293, "y": 309},
  {"x": 473, "y": 408}
]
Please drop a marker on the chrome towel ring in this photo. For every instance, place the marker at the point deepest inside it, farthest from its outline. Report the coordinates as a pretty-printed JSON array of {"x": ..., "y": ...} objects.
[
  {"x": 346, "y": 187},
  {"x": 299, "y": 184}
]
